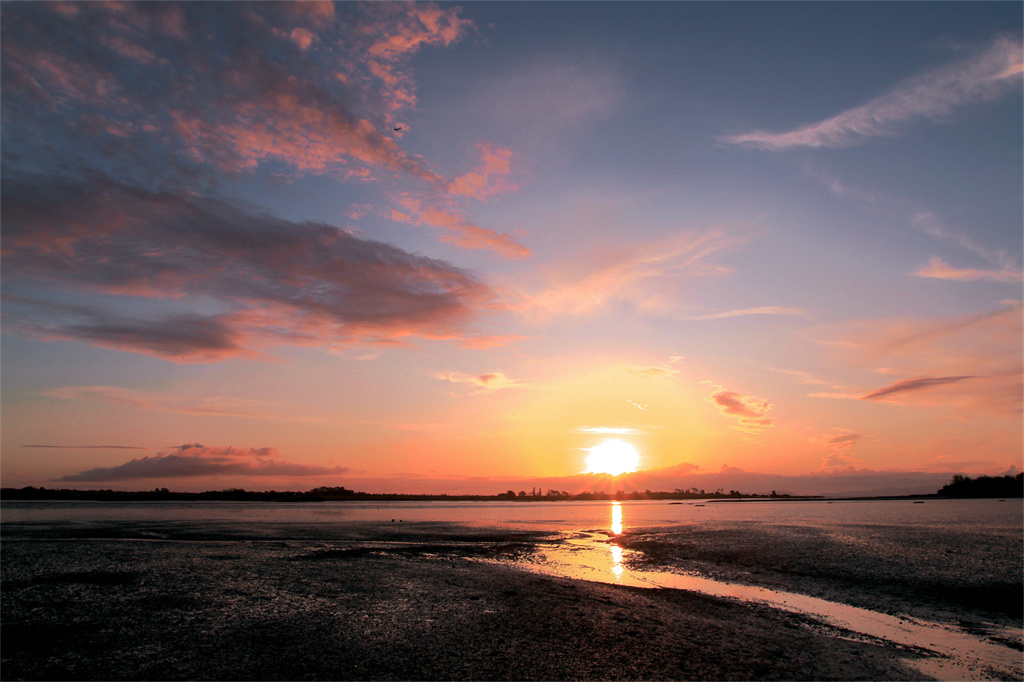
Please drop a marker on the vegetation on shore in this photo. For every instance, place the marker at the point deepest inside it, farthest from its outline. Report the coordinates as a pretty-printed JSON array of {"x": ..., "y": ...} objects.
[
  {"x": 984, "y": 486},
  {"x": 959, "y": 487},
  {"x": 340, "y": 493}
]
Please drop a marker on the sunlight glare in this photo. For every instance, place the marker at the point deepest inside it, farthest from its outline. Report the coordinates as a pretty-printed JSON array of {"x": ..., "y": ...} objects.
[{"x": 613, "y": 457}]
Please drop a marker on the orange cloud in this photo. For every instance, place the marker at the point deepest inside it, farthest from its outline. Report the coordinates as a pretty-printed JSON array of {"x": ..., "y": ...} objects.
[{"x": 488, "y": 179}]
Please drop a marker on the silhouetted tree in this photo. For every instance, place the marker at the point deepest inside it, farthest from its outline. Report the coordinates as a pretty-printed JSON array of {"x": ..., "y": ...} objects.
[{"x": 984, "y": 486}]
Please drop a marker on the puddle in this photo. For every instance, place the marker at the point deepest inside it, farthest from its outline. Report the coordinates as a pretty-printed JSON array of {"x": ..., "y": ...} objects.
[{"x": 950, "y": 653}]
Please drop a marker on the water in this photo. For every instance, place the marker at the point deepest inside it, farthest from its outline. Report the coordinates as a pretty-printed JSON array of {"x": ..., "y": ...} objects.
[
  {"x": 872, "y": 550},
  {"x": 966, "y": 515}
]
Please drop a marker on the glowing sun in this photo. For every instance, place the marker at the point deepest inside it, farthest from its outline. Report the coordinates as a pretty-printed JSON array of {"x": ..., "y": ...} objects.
[{"x": 612, "y": 457}]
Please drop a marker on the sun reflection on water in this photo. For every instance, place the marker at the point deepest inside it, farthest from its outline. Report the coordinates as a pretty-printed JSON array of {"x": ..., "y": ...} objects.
[
  {"x": 616, "y": 518},
  {"x": 617, "y": 567}
]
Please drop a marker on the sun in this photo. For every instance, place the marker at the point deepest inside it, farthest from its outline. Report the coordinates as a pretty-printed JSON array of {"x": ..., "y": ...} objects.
[{"x": 613, "y": 457}]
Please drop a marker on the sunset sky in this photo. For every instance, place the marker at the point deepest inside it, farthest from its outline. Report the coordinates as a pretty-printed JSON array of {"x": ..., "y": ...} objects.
[{"x": 449, "y": 248}]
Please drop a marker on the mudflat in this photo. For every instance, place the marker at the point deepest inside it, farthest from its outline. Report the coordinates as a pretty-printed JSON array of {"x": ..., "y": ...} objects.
[{"x": 252, "y": 609}]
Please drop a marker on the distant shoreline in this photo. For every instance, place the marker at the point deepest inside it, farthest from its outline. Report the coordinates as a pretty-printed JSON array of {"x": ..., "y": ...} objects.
[
  {"x": 961, "y": 487},
  {"x": 343, "y": 495}
]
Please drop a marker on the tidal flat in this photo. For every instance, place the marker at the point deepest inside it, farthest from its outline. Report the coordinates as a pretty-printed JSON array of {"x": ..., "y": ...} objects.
[
  {"x": 80, "y": 609},
  {"x": 213, "y": 597}
]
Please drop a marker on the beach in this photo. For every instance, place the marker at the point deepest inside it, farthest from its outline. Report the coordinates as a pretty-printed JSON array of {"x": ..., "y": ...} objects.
[{"x": 279, "y": 610}]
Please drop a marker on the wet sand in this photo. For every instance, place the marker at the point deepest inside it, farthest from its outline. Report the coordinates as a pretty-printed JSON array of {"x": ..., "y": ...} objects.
[{"x": 381, "y": 604}]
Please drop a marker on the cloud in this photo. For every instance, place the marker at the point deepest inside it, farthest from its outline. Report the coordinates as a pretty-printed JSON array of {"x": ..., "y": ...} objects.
[
  {"x": 608, "y": 430},
  {"x": 461, "y": 232},
  {"x": 764, "y": 310},
  {"x": 938, "y": 269},
  {"x": 489, "y": 179},
  {"x": 749, "y": 410},
  {"x": 802, "y": 377},
  {"x": 218, "y": 277},
  {"x": 218, "y": 406},
  {"x": 484, "y": 382},
  {"x": 646, "y": 276},
  {"x": 86, "y": 447},
  {"x": 192, "y": 460},
  {"x": 932, "y": 96},
  {"x": 908, "y": 385},
  {"x": 650, "y": 371},
  {"x": 839, "y": 445},
  {"x": 971, "y": 363},
  {"x": 183, "y": 90}
]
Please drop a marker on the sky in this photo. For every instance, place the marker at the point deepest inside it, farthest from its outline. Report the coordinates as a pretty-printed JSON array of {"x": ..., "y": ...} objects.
[{"x": 451, "y": 248}]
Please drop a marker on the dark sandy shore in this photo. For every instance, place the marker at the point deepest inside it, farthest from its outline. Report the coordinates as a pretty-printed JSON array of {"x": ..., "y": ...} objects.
[{"x": 244, "y": 609}]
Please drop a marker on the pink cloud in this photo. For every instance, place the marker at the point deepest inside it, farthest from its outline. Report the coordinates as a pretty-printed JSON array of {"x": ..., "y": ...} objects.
[
  {"x": 302, "y": 37},
  {"x": 417, "y": 25},
  {"x": 258, "y": 106},
  {"x": 750, "y": 411},
  {"x": 489, "y": 179},
  {"x": 763, "y": 310},
  {"x": 463, "y": 233},
  {"x": 482, "y": 382}
]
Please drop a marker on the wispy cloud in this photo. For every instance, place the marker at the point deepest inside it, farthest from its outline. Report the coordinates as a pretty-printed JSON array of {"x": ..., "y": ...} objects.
[
  {"x": 275, "y": 281},
  {"x": 764, "y": 310},
  {"x": 839, "y": 448},
  {"x": 939, "y": 269},
  {"x": 210, "y": 405},
  {"x": 972, "y": 363},
  {"x": 650, "y": 371},
  {"x": 484, "y": 382},
  {"x": 608, "y": 430},
  {"x": 459, "y": 231},
  {"x": 193, "y": 460},
  {"x": 931, "y": 96},
  {"x": 86, "y": 447},
  {"x": 909, "y": 385},
  {"x": 645, "y": 276},
  {"x": 802, "y": 376}
]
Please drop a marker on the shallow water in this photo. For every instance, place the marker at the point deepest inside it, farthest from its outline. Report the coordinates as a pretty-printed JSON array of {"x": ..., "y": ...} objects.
[
  {"x": 949, "y": 652},
  {"x": 991, "y": 515}
]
